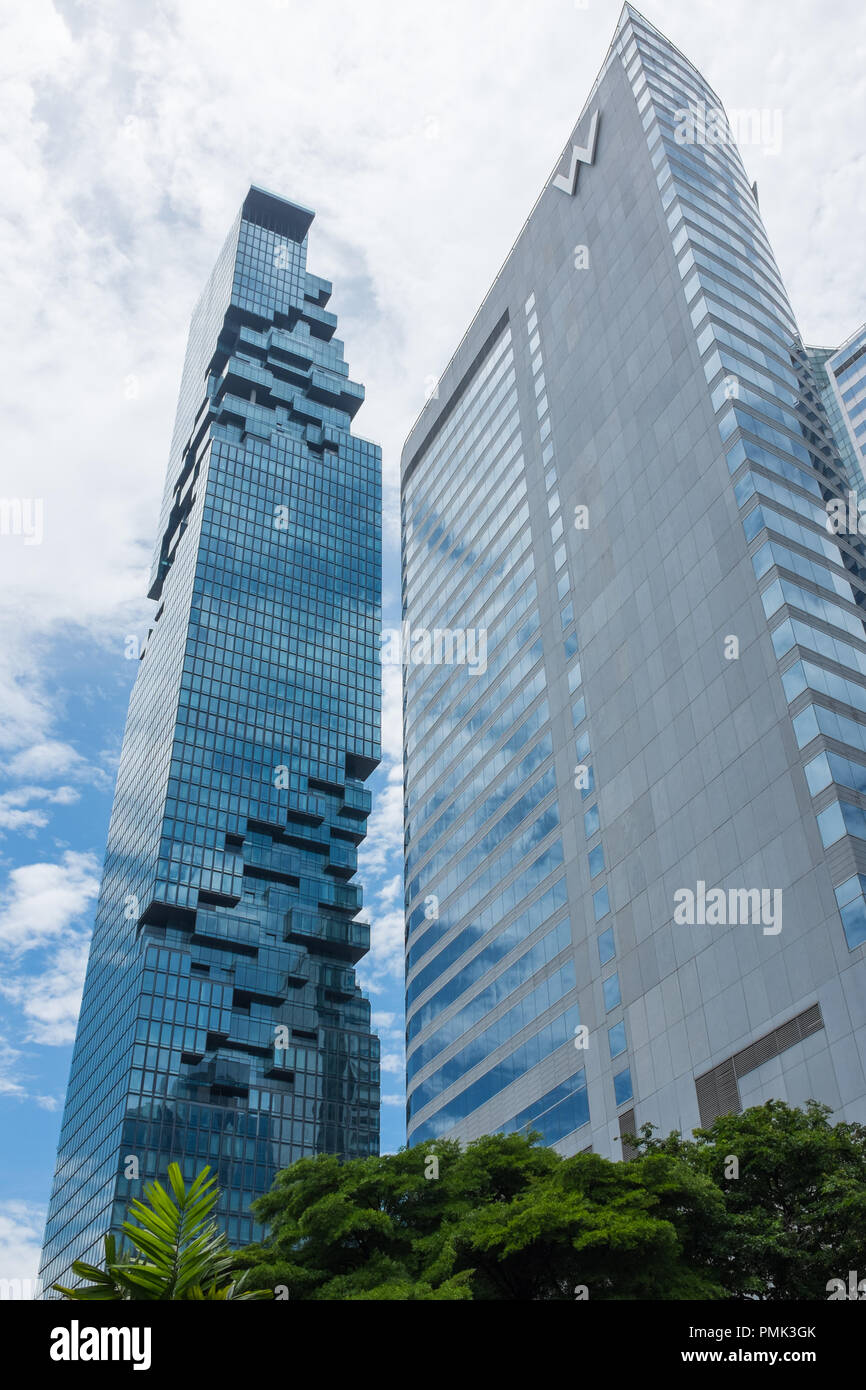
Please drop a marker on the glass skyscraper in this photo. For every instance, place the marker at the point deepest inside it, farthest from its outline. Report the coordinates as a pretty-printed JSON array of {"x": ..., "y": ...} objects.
[
  {"x": 635, "y": 836},
  {"x": 841, "y": 375},
  {"x": 221, "y": 1021}
]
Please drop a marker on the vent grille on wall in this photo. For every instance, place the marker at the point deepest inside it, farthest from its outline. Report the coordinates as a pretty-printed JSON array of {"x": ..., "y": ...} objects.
[
  {"x": 718, "y": 1092},
  {"x": 627, "y": 1126}
]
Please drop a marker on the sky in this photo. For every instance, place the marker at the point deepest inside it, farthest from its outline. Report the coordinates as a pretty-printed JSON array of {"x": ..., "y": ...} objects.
[{"x": 421, "y": 135}]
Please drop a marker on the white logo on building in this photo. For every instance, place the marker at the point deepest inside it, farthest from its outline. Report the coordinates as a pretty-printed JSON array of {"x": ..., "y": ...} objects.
[{"x": 580, "y": 154}]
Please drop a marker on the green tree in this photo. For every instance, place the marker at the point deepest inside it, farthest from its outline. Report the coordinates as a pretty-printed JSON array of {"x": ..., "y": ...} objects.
[
  {"x": 504, "y": 1218},
  {"x": 795, "y": 1213},
  {"x": 181, "y": 1253}
]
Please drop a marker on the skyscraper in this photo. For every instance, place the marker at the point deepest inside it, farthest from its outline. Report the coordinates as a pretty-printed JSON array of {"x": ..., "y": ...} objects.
[
  {"x": 636, "y": 839},
  {"x": 841, "y": 375},
  {"x": 221, "y": 1021}
]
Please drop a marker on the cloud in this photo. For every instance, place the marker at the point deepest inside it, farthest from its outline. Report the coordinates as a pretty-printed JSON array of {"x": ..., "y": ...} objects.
[
  {"x": 48, "y": 758},
  {"x": 16, "y": 812},
  {"x": 392, "y": 714},
  {"x": 21, "y": 1228},
  {"x": 383, "y": 1020},
  {"x": 384, "y": 961},
  {"x": 384, "y": 839},
  {"x": 13, "y": 1083},
  {"x": 50, "y": 999},
  {"x": 41, "y": 907},
  {"x": 390, "y": 891},
  {"x": 24, "y": 706},
  {"x": 30, "y": 711},
  {"x": 134, "y": 131},
  {"x": 42, "y": 901},
  {"x": 9, "y": 1057}
]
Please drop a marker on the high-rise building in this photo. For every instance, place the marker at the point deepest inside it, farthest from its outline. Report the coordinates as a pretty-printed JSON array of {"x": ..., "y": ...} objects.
[
  {"x": 841, "y": 376},
  {"x": 221, "y": 1021},
  {"x": 636, "y": 830}
]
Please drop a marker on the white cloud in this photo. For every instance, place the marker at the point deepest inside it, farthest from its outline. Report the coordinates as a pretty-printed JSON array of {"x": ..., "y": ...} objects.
[
  {"x": 392, "y": 714},
  {"x": 393, "y": 1099},
  {"x": 48, "y": 758},
  {"x": 394, "y": 1062},
  {"x": 390, "y": 891},
  {"x": 384, "y": 829},
  {"x": 384, "y": 960},
  {"x": 51, "y": 998},
  {"x": 42, "y": 906},
  {"x": 132, "y": 132},
  {"x": 21, "y": 1228},
  {"x": 42, "y": 901},
  {"x": 9, "y": 1058},
  {"x": 15, "y": 818},
  {"x": 13, "y": 1081},
  {"x": 383, "y": 1020},
  {"x": 17, "y": 813},
  {"x": 29, "y": 713},
  {"x": 25, "y": 709}
]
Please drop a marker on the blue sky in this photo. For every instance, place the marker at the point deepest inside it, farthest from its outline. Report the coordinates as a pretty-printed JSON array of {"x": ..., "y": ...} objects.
[{"x": 421, "y": 136}]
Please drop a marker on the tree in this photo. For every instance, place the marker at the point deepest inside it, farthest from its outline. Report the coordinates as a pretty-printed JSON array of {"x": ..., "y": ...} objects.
[
  {"x": 181, "y": 1253},
  {"x": 504, "y": 1218},
  {"x": 795, "y": 1213}
]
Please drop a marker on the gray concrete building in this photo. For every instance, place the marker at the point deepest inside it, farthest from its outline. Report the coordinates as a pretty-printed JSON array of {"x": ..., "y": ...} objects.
[{"x": 635, "y": 661}]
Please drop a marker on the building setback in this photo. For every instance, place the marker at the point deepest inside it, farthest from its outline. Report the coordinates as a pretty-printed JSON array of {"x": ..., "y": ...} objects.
[
  {"x": 221, "y": 1021},
  {"x": 636, "y": 841},
  {"x": 841, "y": 375}
]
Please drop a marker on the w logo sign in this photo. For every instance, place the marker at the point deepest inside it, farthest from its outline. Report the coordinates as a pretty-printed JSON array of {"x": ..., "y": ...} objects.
[{"x": 580, "y": 154}]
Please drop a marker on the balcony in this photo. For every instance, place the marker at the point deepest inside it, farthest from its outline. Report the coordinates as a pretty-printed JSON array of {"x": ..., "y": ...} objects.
[
  {"x": 358, "y": 801},
  {"x": 333, "y": 936},
  {"x": 277, "y": 858},
  {"x": 348, "y": 897},
  {"x": 242, "y": 931}
]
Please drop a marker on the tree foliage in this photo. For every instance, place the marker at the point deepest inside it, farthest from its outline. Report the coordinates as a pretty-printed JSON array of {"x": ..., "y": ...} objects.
[
  {"x": 795, "y": 1214},
  {"x": 768, "y": 1204},
  {"x": 504, "y": 1219},
  {"x": 509, "y": 1219}
]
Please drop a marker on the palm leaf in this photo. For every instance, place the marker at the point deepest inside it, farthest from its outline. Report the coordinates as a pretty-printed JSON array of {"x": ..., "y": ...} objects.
[{"x": 180, "y": 1253}]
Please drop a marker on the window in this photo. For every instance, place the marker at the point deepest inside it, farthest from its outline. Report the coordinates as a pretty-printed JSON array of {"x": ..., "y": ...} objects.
[
  {"x": 622, "y": 1087},
  {"x": 596, "y": 861},
  {"x": 601, "y": 903},
  {"x": 852, "y": 909},
  {"x": 610, "y": 986},
  {"x": 606, "y": 947}
]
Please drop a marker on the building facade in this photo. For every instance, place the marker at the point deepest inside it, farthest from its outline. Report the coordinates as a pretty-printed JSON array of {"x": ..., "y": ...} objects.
[
  {"x": 221, "y": 1021},
  {"x": 636, "y": 840},
  {"x": 841, "y": 375}
]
